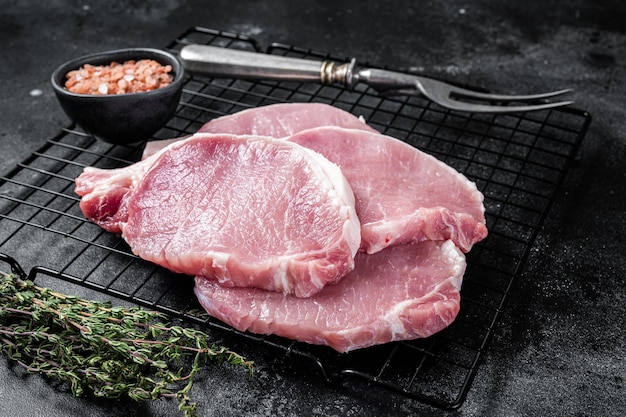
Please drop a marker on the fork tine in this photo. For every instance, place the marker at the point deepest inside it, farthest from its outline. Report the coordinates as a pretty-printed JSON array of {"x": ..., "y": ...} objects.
[
  {"x": 443, "y": 99},
  {"x": 450, "y": 96},
  {"x": 487, "y": 108},
  {"x": 505, "y": 97},
  {"x": 434, "y": 88}
]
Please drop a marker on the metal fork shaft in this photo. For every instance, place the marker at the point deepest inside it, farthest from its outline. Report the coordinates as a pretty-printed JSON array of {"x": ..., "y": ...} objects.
[{"x": 222, "y": 62}]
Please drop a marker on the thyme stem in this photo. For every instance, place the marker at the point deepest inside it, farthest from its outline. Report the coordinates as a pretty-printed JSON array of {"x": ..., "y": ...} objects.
[{"x": 104, "y": 350}]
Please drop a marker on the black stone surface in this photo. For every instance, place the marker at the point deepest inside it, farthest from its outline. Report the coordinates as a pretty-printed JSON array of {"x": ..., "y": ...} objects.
[{"x": 560, "y": 349}]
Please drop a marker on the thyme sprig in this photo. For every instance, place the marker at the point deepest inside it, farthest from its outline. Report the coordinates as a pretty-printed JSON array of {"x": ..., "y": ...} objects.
[{"x": 107, "y": 351}]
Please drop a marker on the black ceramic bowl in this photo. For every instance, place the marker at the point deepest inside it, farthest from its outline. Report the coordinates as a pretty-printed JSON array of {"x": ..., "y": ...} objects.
[{"x": 121, "y": 118}]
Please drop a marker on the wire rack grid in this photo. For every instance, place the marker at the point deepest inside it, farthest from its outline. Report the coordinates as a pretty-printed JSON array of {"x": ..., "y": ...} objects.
[{"x": 518, "y": 161}]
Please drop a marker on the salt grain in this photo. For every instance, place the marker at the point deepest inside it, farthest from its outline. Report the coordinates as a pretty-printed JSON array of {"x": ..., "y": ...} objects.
[{"x": 139, "y": 76}]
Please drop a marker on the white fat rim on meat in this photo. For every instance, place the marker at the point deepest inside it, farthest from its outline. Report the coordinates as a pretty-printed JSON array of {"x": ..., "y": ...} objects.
[
  {"x": 280, "y": 277},
  {"x": 449, "y": 250}
]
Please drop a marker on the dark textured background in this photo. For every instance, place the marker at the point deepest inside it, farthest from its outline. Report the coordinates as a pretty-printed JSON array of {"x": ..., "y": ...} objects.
[{"x": 560, "y": 348}]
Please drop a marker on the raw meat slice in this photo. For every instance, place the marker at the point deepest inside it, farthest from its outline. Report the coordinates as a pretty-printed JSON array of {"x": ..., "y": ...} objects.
[
  {"x": 284, "y": 119},
  {"x": 402, "y": 194},
  {"x": 274, "y": 120},
  {"x": 245, "y": 211},
  {"x": 403, "y": 292}
]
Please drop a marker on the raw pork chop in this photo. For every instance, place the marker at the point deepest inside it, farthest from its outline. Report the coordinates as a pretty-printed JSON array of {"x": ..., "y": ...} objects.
[
  {"x": 245, "y": 211},
  {"x": 402, "y": 194},
  {"x": 274, "y": 120},
  {"x": 403, "y": 292}
]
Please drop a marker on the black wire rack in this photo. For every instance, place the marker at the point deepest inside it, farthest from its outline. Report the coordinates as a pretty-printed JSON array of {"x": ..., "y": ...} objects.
[{"x": 517, "y": 160}]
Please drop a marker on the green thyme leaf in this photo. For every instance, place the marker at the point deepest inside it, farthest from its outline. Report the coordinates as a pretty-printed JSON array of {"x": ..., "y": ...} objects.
[{"x": 107, "y": 351}]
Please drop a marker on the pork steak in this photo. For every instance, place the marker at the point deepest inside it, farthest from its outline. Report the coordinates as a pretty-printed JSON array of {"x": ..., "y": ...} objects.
[
  {"x": 244, "y": 211},
  {"x": 402, "y": 194},
  {"x": 402, "y": 292}
]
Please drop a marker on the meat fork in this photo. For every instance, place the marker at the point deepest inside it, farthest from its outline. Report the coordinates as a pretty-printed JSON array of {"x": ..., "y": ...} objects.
[{"x": 222, "y": 62}]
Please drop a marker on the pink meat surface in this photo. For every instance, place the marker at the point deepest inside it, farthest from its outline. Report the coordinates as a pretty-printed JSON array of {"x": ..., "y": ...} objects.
[
  {"x": 402, "y": 194},
  {"x": 401, "y": 293},
  {"x": 274, "y": 120},
  {"x": 244, "y": 211},
  {"x": 105, "y": 192},
  {"x": 284, "y": 119}
]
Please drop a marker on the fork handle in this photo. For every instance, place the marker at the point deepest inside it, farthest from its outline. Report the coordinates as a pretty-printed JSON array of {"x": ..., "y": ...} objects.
[{"x": 232, "y": 63}]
